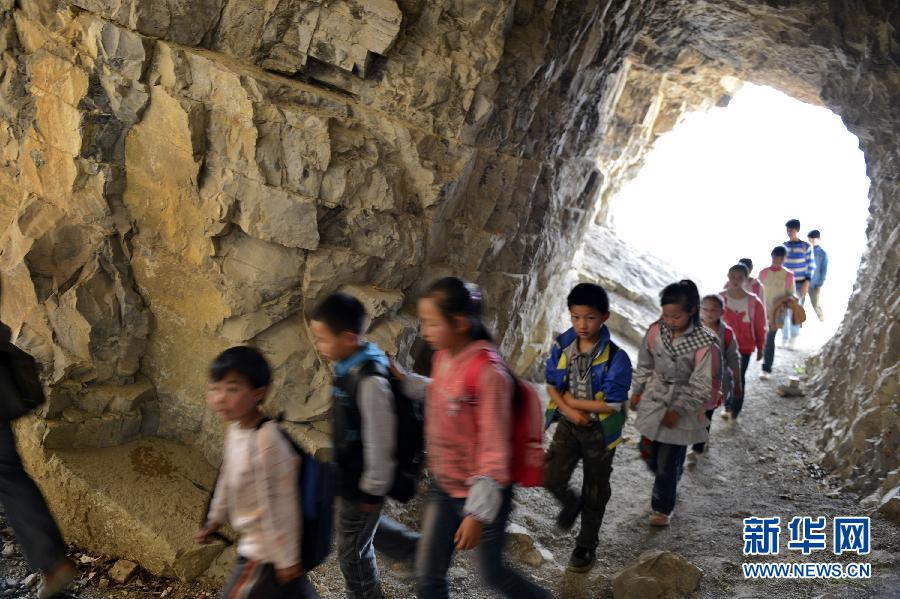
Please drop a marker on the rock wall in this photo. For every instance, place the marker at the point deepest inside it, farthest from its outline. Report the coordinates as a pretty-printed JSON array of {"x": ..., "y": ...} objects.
[{"x": 177, "y": 177}]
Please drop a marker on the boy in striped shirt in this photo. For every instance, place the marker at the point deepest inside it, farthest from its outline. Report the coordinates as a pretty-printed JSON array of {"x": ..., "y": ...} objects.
[{"x": 802, "y": 263}]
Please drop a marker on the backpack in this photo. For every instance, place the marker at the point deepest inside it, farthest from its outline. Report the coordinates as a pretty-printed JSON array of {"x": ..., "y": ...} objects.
[
  {"x": 20, "y": 386},
  {"x": 527, "y": 435},
  {"x": 316, "y": 485},
  {"x": 409, "y": 452}
]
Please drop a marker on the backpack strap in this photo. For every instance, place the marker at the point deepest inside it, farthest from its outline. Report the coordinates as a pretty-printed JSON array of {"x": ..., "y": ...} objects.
[{"x": 473, "y": 371}]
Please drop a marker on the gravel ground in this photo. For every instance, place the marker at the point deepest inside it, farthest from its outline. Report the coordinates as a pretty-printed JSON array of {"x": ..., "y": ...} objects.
[{"x": 762, "y": 466}]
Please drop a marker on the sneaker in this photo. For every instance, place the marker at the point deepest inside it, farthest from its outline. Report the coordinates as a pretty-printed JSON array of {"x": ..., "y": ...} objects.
[
  {"x": 56, "y": 581},
  {"x": 581, "y": 559},
  {"x": 565, "y": 520},
  {"x": 764, "y": 375},
  {"x": 726, "y": 415},
  {"x": 692, "y": 458},
  {"x": 659, "y": 519},
  {"x": 791, "y": 343}
]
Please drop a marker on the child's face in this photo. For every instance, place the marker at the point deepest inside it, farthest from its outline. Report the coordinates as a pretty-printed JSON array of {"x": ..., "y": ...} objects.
[
  {"x": 710, "y": 312},
  {"x": 792, "y": 233},
  {"x": 333, "y": 346},
  {"x": 438, "y": 331},
  {"x": 676, "y": 317},
  {"x": 813, "y": 241},
  {"x": 233, "y": 398},
  {"x": 777, "y": 261},
  {"x": 736, "y": 279},
  {"x": 587, "y": 320}
]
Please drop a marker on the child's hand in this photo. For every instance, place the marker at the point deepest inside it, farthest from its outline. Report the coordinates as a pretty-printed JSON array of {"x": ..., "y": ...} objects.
[
  {"x": 285, "y": 575},
  {"x": 671, "y": 419},
  {"x": 759, "y": 355},
  {"x": 201, "y": 537},
  {"x": 576, "y": 417},
  {"x": 634, "y": 401},
  {"x": 396, "y": 370},
  {"x": 468, "y": 535}
]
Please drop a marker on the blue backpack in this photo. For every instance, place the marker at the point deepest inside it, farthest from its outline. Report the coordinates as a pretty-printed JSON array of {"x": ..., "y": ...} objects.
[{"x": 316, "y": 485}]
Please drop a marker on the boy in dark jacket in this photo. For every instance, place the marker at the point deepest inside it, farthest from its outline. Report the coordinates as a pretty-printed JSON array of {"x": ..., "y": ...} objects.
[
  {"x": 365, "y": 437},
  {"x": 588, "y": 379}
]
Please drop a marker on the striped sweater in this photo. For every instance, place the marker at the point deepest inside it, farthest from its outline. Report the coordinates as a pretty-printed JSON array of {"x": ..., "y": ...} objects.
[{"x": 800, "y": 260}]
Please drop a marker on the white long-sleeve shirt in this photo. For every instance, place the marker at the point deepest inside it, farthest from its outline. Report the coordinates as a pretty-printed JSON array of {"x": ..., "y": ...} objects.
[{"x": 257, "y": 492}]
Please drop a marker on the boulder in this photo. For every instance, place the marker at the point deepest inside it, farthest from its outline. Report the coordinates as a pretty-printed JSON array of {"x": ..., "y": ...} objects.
[{"x": 657, "y": 575}]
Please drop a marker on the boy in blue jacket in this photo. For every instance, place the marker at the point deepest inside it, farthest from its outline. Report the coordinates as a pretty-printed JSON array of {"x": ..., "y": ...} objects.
[{"x": 588, "y": 379}]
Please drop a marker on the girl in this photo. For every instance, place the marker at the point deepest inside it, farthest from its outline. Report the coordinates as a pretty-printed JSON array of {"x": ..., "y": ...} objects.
[
  {"x": 467, "y": 437},
  {"x": 746, "y": 315},
  {"x": 673, "y": 381}
]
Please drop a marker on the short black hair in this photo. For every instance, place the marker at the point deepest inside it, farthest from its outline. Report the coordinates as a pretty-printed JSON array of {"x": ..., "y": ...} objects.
[
  {"x": 341, "y": 312},
  {"x": 713, "y": 297},
  {"x": 793, "y": 224},
  {"x": 779, "y": 251},
  {"x": 814, "y": 234},
  {"x": 589, "y": 294},
  {"x": 685, "y": 294},
  {"x": 245, "y": 361},
  {"x": 746, "y": 262},
  {"x": 739, "y": 268}
]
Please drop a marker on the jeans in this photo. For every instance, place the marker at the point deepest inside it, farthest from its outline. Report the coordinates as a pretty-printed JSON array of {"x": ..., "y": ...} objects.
[
  {"x": 666, "y": 461},
  {"x": 256, "y": 580},
  {"x": 572, "y": 443},
  {"x": 790, "y": 329},
  {"x": 701, "y": 447},
  {"x": 443, "y": 515},
  {"x": 769, "y": 351},
  {"x": 359, "y": 534},
  {"x": 814, "y": 300},
  {"x": 737, "y": 399},
  {"x": 26, "y": 510}
]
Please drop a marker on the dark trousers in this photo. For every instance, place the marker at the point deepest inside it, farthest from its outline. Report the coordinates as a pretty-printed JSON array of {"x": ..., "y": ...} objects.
[
  {"x": 666, "y": 461},
  {"x": 26, "y": 510},
  {"x": 256, "y": 580},
  {"x": 700, "y": 447},
  {"x": 443, "y": 515},
  {"x": 737, "y": 399},
  {"x": 570, "y": 444},
  {"x": 769, "y": 351},
  {"x": 359, "y": 535}
]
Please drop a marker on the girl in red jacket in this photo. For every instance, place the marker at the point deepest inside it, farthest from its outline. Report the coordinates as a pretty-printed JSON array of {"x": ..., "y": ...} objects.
[
  {"x": 468, "y": 445},
  {"x": 746, "y": 315}
]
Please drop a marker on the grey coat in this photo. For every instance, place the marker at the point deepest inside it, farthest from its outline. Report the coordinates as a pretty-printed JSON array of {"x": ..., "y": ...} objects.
[{"x": 683, "y": 383}]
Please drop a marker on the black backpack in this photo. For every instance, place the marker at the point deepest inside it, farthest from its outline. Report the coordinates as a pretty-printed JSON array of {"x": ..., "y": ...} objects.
[
  {"x": 20, "y": 386},
  {"x": 316, "y": 484},
  {"x": 409, "y": 452}
]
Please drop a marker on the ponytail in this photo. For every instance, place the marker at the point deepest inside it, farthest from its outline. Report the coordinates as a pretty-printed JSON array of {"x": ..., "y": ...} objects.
[
  {"x": 685, "y": 294},
  {"x": 455, "y": 297}
]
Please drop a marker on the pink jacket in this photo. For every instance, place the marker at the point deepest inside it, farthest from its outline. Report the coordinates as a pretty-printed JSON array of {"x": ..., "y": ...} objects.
[
  {"x": 468, "y": 438},
  {"x": 751, "y": 328}
]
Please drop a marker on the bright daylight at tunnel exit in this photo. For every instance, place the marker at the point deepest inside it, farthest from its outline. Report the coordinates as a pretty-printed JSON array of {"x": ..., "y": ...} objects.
[{"x": 383, "y": 299}]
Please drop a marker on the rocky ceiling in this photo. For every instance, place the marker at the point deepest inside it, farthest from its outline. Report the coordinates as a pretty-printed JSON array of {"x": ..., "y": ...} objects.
[{"x": 177, "y": 177}]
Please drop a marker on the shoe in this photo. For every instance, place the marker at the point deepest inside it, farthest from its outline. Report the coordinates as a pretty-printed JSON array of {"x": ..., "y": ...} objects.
[
  {"x": 791, "y": 343},
  {"x": 581, "y": 559},
  {"x": 565, "y": 520},
  {"x": 820, "y": 314},
  {"x": 659, "y": 519},
  {"x": 56, "y": 581},
  {"x": 692, "y": 458},
  {"x": 726, "y": 415},
  {"x": 764, "y": 375}
]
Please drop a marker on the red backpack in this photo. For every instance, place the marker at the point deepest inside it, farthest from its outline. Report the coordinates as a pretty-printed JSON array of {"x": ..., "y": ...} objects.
[{"x": 527, "y": 438}]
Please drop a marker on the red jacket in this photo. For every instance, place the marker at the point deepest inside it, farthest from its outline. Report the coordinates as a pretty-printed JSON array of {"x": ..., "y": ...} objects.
[{"x": 750, "y": 329}]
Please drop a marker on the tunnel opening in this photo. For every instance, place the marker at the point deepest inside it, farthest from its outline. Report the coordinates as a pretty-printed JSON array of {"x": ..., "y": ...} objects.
[{"x": 723, "y": 182}]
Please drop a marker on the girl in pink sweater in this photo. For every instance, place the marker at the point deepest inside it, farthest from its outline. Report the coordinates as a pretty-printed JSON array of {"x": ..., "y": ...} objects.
[{"x": 468, "y": 440}]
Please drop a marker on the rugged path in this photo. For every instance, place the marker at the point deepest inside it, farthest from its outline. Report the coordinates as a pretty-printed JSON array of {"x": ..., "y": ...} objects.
[{"x": 762, "y": 466}]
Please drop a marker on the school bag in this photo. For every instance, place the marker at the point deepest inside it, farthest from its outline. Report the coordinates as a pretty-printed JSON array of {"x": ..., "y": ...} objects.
[
  {"x": 527, "y": 464},
  {"x": 20, "y": 386},
  {"x": 409, "y": 453},
  {"x": 316, "y": 486}
]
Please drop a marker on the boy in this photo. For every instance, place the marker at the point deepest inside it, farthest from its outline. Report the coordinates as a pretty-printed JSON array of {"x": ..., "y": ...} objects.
[
  {"x": 364, "y": 434},
  {"x": 746, "y": 315},
  {"x": 801, "y": 261},
  {"x": 711, "y": 309},
  {"x": 778, "y": 283},
  {"x": 818, "y": 279},
  {"x": 588, "y": 379},
  {"x": 257, "y": 485}
]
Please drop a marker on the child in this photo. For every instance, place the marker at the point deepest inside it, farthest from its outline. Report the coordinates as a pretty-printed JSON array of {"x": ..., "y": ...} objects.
[
  {"x": 779, "y": 284},
  {"x": 365, "y": 437},
  {"x": 818, "y": 279},
  {"x": 468, "y": 444},
  {"x": 257, "y": 486},
  {"x": 711, "y": 310},
  {"x": 746, "y": 315},
  {"x": 588, "y": 378},
  {"x": 801, "y": 261},
  {"x": 673, "y": 382},
  {"x": 753, "y": 285}
]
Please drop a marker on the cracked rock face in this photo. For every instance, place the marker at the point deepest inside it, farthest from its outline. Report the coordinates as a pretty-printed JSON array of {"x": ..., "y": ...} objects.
[{"x": 179, "y": 177}]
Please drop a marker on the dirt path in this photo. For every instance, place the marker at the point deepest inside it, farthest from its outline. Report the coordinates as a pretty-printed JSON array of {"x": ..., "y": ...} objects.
[{"x": 762, "y": 466}]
